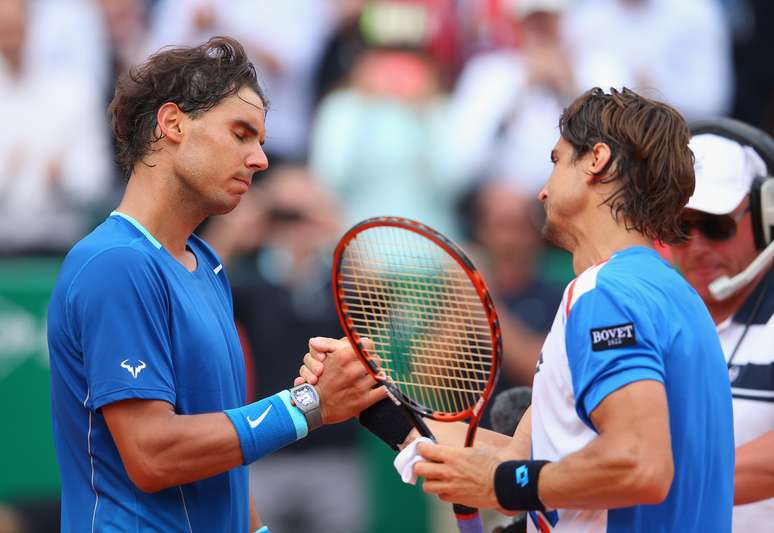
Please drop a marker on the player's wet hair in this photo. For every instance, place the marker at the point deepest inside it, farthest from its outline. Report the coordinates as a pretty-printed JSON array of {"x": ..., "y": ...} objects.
[
  {"x": 650, "y": 160},
  {"x": 195, "y": 78}
]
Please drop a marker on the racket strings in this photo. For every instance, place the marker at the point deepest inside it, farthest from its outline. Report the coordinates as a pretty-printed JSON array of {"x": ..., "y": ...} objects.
[{"x": 430, "y": 331}]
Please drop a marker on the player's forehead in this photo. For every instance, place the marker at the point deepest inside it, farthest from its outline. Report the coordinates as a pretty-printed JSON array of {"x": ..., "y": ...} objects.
[{"x": 245, "y": 105}]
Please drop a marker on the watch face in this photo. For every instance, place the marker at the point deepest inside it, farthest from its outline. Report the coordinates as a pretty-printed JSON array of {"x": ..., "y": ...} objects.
[{"x": 304, "y": 397}]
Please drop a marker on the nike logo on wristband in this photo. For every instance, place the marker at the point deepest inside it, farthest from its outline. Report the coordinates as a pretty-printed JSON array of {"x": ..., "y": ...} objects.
[{"x": 257, "y": 422}]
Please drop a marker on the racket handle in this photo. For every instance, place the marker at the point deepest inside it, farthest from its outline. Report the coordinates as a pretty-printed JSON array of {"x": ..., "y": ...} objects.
[
  {"x": 418, "y": 423},
  {"x": 468, "y": 519}
]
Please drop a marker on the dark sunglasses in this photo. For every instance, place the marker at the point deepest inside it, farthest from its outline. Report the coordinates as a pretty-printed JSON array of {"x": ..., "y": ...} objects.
[{"x": 712, "y": 227}]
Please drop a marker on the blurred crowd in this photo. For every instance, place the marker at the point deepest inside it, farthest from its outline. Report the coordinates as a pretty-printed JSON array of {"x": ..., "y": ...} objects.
[
  {"x": 440, "y": 110},
  {"x": 395, "y": 106}
]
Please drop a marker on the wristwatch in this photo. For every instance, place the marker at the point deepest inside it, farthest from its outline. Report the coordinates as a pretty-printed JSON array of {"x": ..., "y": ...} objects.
[{"x": 306, "y": 399}]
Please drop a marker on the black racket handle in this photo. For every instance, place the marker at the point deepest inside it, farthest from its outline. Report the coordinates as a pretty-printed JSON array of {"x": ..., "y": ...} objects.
[{"x": 418, "y": 423}]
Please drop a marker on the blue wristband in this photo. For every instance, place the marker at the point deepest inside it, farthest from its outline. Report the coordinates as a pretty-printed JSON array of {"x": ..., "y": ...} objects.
[
  {"x": 264, "y": 529},
  {"x": 267, "y": 425}
]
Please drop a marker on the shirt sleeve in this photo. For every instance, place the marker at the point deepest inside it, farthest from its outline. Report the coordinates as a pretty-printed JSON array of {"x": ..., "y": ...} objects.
[
  {"x": 119, "y": 310},
  {"x": 611, "y": 342}
]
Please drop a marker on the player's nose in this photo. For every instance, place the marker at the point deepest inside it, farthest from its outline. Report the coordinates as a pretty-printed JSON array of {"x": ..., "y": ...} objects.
[{"x": 257, "y": 160}]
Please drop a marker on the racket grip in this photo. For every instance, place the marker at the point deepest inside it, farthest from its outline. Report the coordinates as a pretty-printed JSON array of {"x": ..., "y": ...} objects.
[
  {"x": 418, "y": 423},
  {"x": 468, "y": 519}
]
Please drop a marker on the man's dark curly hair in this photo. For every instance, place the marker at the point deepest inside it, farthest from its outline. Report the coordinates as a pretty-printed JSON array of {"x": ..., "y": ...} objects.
[
  {"x": 650, "y": 159},
  {"x": 195, "y": 78}
]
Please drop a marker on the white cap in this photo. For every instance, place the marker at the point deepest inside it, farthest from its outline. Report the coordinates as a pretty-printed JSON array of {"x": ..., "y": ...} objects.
[
  {"x": 724, "y": 173},
  {"x": 524, "y": 8}
]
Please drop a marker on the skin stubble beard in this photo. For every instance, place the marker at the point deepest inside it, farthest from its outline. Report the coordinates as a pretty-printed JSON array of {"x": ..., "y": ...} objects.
[{"x": 554, "y": 234}]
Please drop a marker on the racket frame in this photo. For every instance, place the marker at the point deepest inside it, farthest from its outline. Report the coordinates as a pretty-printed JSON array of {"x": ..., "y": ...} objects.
[{"x": 413, "y": 408}]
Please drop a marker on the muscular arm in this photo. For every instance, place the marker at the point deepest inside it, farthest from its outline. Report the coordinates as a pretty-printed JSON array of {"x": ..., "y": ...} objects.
[
  {"x": 630, "y": 463},
  {"x": 161, "y": 449},
  {"x": 754, "y": 472}
]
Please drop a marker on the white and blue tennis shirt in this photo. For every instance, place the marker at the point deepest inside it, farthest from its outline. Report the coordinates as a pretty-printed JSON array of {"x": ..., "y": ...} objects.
[{"x": 629, "y": 319}]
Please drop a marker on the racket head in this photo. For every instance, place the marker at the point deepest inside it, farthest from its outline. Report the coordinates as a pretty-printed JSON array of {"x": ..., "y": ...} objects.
[{"x": 382, "y": 291}]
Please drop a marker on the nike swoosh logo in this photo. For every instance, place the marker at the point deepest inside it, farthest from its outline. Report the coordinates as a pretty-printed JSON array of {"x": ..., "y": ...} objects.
[{"x": 257, "y": 422}]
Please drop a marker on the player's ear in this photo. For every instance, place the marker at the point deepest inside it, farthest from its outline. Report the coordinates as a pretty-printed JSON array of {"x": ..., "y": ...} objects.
[
  {"x": 170, "y": 120},
  {"x": 599, "y": 155}
]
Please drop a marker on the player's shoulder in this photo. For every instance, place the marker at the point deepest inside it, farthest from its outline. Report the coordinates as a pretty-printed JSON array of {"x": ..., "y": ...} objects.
[
  {"x": 636, "y": 266},
  {"x": 111, "y": 250},
  {"x": 629, "y": 274}
]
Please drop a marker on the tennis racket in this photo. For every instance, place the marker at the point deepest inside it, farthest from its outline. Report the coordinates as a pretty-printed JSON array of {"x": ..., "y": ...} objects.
[{"x": 435, "y": 333}]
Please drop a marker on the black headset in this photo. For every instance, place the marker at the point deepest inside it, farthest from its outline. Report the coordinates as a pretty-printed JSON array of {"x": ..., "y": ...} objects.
[{"x": 762, "y": 188}]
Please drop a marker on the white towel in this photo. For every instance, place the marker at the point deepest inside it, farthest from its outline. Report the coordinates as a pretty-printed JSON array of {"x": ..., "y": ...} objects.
[{"x": 407, "y": 458}]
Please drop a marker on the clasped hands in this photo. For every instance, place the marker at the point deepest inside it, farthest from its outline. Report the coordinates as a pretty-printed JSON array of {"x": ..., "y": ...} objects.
[{"x": 458, "y": 475}]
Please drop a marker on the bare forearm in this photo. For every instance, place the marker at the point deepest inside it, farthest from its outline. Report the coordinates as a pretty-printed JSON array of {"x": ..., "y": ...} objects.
[
  {"x": 186, "y": 448},
  {"x": 754, "y": 471},
  {"x": 519, "y": 446},
  {"x": 607, "y": 473}
]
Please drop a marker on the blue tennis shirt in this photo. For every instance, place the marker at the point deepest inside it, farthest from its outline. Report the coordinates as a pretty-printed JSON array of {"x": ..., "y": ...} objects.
[
  {"x": 127, "y": 320},
  {"x": 634, "y": 318}
]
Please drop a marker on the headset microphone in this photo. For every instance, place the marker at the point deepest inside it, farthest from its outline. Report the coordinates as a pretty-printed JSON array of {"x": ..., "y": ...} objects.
[{"x": 724, "y": 287}]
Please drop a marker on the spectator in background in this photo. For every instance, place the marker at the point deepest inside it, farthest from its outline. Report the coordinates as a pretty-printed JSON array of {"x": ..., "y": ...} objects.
[
  {"x": 283, "y": 39},
  {"x": 377, "y": 142},
  {"x": 506, "y": 225},
  {"x": 679, "y": 51},
  {"x": 126, "y": 27},
  {"x": 720, "y": 225},
  {"x": 278, "y": 243},
  {"x": 68, "y": 37},
  {"x": 507, "y": 102},
  {"x": 342, "y": 48},
  {"x": 347, "y": 41},
  {"x": 753, "y": 68},
  {"x": 484, "y": 25},
  {"x": 54, "y": 147}
]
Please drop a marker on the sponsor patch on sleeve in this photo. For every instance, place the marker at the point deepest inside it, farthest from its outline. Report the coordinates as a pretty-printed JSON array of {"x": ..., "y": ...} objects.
[{"x": 611, "y": 337}]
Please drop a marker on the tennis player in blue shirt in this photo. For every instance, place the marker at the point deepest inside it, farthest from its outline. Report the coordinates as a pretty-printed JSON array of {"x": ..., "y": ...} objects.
[
  {"x": 148, "y": 377},
  {"x": 630, "y": 428}
]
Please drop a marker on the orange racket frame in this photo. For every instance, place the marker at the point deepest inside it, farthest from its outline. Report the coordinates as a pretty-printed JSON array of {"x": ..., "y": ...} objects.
[{"x": 413, "y": 407}]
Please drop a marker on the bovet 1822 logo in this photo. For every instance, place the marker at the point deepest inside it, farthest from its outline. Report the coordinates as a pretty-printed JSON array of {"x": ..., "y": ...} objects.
[{"x": 612, "y": 337}]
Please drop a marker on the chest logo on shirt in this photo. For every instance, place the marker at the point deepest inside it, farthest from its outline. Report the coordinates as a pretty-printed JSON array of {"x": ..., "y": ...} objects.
[
  {"x": 133, "y": 370},
  {"x": 613, "y": 337}
]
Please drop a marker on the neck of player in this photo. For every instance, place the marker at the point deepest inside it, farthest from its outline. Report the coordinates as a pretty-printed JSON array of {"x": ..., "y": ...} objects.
[
  {"x": 599, "y": 236},
  {"x": 157, "y": 203}
]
